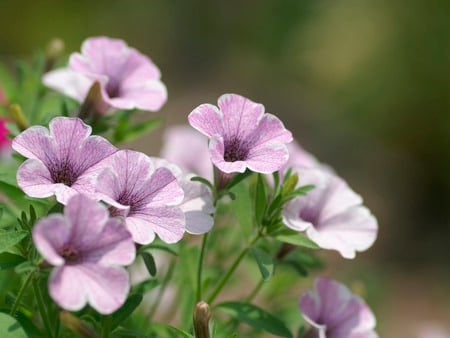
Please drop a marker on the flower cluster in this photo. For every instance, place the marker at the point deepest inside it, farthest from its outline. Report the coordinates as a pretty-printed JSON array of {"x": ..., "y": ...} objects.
[{"x": 117, "y": 202}]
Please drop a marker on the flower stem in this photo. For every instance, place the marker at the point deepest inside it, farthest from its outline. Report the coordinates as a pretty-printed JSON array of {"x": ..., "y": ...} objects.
[
  {"x": 233, "y": 268},
  {"x": 42, "y": 310},
  {"x": 106, "y": 326},
  {"x": 164, "y": 285},
  {"x": 200, "y": 268},
  {"x": 21, "y": 293}
]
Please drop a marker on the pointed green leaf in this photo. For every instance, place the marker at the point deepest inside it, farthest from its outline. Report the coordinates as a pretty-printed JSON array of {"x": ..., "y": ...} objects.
[
  {"x": 202, "y": 180},
  {"x": 140, "y": 129},
  {"x": 255, "y": 317},
  {"x": 183, "y": 333},
  {"x": 145, "y": 286},
  {"x": 264, "y": 261},
  {"x": 149, "y": 263},
  {"x": 126, "y": 310},
  {"x": 11, "y": 238}
]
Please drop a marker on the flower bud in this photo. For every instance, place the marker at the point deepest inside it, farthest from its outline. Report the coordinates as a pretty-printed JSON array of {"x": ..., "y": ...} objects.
[
  {"x": 53, "y": 51},
  {"x": 16, "y": 113},
  {"x": 202, "y": 315}
]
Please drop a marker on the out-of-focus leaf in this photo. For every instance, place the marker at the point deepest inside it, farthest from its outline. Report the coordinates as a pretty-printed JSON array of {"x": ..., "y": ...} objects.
[
  {"x": 11, "y": 238},
  {"x": 145, "y": 286},
  {"x": 9, "y": 260},
  {"x": 243, "y": 207},
  {"x": 295, "y": 238},
  {"x": 183, "y": 333},
  {"x": 255, "y": 317},
  {"x": 10, "y": 327}
]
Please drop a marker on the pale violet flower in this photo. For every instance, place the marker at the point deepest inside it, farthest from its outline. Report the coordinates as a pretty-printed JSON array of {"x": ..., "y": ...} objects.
[
  {"x": 197, "y": 204},
  {"x": 241, "y": 135},
  {"x": 62, "y": 161},
  {"x": 331, "y": 214},
  {"x": 334, "y": 312},
  {"x": 188, "y": 149},
  {"x": 299, "y": 157},
  {"x": 87, "y": 249},
  {"x": 128, "y": 78},
  {"x": 146, "y": 196}
]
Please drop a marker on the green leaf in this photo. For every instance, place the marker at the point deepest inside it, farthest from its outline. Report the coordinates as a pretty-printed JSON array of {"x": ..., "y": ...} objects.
[
  {"x": 264, "y": 261},
  {"x": 260, "y": 200},
  {"x": 183, "y": 333},
  {"x": 295, "y": 238},
  {"x": 161, "y": 247},
  {"x": 255, "y": 317},
  {"x": 126, "y": 310},
  {"x": 9, "y": 260},
  {"x": 11, "y": 238},
  {"x": 10, "y": 327},
  {"x": 149, "y": 263}
]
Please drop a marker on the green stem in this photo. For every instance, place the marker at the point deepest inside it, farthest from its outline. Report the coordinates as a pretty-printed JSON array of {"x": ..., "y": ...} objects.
[
  {"x": 255, "y": 291},
  {"x": 21, "y": 293},
  {"x": 42, "y": 310},
  {"x": 200, "y": 268},
  {"x": 106, "y": 326},
  {"x": 233, "y": 268}
]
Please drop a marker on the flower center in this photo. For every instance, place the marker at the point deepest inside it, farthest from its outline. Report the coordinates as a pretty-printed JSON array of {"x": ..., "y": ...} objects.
[
  {"x": 235, "y": 150},
  {"x": 309, "y": 215},
  {"x": 113, "y": 89},
  {"x": 69, "y": 253},
  {"x": 64, "y": 174}
]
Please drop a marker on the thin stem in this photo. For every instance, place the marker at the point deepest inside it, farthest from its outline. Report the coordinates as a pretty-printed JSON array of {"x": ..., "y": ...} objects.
[
  {"x": 233, "y": 268},
  {"x": 255, "y": 291},
  {"x": 21, "y": 293},
  {"x": 164, "y": 284},
  {"x": 200, "y": 268},
  {"x": 42, "y": 310}
]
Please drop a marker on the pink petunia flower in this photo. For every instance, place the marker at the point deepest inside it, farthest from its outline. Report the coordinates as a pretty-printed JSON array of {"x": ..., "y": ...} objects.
[
  {"x": 197, "y": 203},
  {"x": 62, "y": 162},
  {"x": 87, "y": 248},
  {"x": 241, "y": 135},
  {"x": 5, "y": 142},
  {"x": 334, "y": 312},
  {"x": 188, "y": 149},
  {"x": 128, "y": 78},
  {"x": 299, "y": 157},
  {"x": 147, "y": 197},
  {"x": 332, "y": 215}
]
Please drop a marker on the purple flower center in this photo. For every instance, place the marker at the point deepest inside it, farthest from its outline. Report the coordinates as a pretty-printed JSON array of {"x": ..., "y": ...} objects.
[
  {"x": 235, "y": 150},
  {"x": 69, "y": 253},
  {"x": 113, "y": 89},
  {"x": 309, "y": 215},
  {"x": 63, "y": 173}
]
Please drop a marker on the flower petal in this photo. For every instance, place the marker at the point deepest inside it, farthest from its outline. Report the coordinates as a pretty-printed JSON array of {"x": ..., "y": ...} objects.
[
  {"x": 35, "y": 143},
  {"x": 270, "y": 129},
  {"x": 217, "y": 150},
  {"x": 241, "y": 116},
  {"x": 167, "y": 222},
  {"x": 49, "y": 235},
  {"x": 162, "y": 189},
  {"x": 87, "y": 219},
  {"x": 207, "y": 119},
  {"x": 267, "y": 158},
  {"x": 113, "y": 246},
  {"x": 68, "y": 82},
  {"x": 105, "y": 288}
]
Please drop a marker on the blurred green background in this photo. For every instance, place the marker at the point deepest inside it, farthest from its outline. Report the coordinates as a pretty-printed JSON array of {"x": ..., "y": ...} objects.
[{"x": 363, "y": 85}]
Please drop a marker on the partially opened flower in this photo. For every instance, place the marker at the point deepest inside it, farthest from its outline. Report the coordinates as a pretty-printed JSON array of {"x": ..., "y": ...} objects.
[
  {"x": 128, "y": 78},
  {"x": 241, "y": 135},
  {"x": 62, "y": 162},
  {"x": 299, "y": 157},
  {"x": 146, "y": 196},
  {"x": 332, "y": 215},
  {"x": 334, "y": 312},
  {"x": 197, "y": 203},
  {"x": 87, "y": 249},
  {"x": 188, "y": 149}
]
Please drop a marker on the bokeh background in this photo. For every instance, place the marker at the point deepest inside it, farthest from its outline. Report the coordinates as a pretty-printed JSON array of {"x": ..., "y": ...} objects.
[{"x": 362, "y": 84}]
